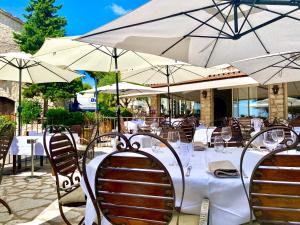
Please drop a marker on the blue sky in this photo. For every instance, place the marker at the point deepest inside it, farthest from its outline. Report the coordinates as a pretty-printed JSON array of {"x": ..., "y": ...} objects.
[{"x": 82, "y": 15}]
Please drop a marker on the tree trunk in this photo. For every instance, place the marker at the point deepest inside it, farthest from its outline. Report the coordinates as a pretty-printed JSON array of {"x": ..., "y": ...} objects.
[{"x": 45, "y": 108}]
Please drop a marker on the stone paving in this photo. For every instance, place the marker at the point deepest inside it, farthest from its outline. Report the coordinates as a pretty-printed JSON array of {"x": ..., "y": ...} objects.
[{"x": 33, "y": 201}]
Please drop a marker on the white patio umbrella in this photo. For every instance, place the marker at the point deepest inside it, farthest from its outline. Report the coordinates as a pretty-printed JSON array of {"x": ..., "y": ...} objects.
[
  {"x": 272, "y": 69},
  {"x": 124, "y": 89},
  {"x": 205, "y": 32},
  {"x": 82, "y": 56},
  {"x": 172, "y": 73},
  {"x": 21, "y": 67}
]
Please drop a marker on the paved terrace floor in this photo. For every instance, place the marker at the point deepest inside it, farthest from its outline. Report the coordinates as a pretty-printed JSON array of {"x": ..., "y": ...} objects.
[{"x": 34, "y": 201}]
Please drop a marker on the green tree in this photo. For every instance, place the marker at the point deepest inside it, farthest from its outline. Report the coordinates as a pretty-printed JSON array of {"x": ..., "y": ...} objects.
[
  {"x": 42, "y": 21},
  {"x": 86, "y": 86},
  {"x": 31, "y": 110}
]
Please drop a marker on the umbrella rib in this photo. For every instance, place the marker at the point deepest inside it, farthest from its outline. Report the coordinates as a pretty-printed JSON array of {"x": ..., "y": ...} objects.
[
  {"x": 278, "y": 13},
  {"x": 191, "y": 72},
  {"x": 217, "y": 39},
  {"x": 207, "y": 24},
  {"x": 189, "y": 34},
  {"x": 7, "y": 62},
  {"x": 143, "y": 58},
  {"x": 225, "y": 19},
  {"x": 133, "y": 75},
  {"x": 153, "y": 20},
  {"x": 268, "y": 66},
  {"x": 53, "y": 72},
  {"x": 246, "y": 17},
  {"x": 260, "y": 41},
  {"x": 122, "y": 53},
  {"x": 156, "y": 71},
  {"x": 29, "y": 74},
  {"x": 287, "y": 67},
  {"x": 281, "y": 69},
  {"x": 110, "y": 52},
  {"x": 290, "y": 60},
  {"x": 268, "y": 22},
  {"x": 81, "y": 57}
]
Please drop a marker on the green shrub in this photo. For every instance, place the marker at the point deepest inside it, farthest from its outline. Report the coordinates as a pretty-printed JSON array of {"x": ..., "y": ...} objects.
[
  {"x": 4, "y": 121},
  {"x": 89, "y": 117},
  {"x": 61, "y": 116},
  {"x": 31, "y": 110},
  {"x": 126, "y": 112}
]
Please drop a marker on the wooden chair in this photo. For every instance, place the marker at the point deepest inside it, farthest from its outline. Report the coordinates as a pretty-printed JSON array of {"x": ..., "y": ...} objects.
[
  {"x": 246, "y": 127},
  {"x": 274, "y": 190},
  {"x": 136, "y": 189},
  {"x": 81, "y": 147},
  {"x": 62, "y": 154},
  {"x": 187, "y": 129},
  {"x": 235, "y": 141},
  {"x": 6, "y": 137}
]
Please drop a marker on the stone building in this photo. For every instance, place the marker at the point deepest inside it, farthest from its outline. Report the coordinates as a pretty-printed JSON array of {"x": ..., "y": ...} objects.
[{"x": 8, "y": 89}]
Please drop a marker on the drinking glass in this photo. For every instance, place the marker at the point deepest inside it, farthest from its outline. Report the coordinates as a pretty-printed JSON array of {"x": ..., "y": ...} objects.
[
  {"x": 174, "y": 139},
  {"x": 270, "y": 140},
  {"x": 226, "y": 134},
  {"x": 219, "y": 144},
  {"x": 278, "y": 135},
  {"x": 184, "y": 155}
]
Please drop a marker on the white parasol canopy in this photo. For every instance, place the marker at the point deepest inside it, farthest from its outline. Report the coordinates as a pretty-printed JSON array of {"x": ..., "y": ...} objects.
[
  {"x": 124, "y": 89},
  {"x": 21, "y": 67},
  {"x": 205, "y": 32},
  {"x": 272, "y": 69}
]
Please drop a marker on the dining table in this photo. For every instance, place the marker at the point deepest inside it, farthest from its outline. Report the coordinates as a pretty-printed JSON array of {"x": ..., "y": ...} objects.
[
  {"x": 203, "y": 134},
  {"x": 228, "y": 202}
]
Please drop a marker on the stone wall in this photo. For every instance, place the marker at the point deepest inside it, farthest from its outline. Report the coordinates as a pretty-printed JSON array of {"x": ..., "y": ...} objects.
[
  {"x": 8, "y": 25},
  {"x": 207, "y": 107},
  {"x": 278, "y": 102}
]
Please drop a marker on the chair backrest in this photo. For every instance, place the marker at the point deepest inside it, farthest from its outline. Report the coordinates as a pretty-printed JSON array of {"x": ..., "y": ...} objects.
[
  {"x": 6, "y": 137},
  {"x": 134, "y": 187},
  {"x": 62, "y": 153},
  {"x": 187, "y": 129},
  {"x": 274, "y": 185},
  {"x": 235, "y": 141},
  {"x": 295, "y": 122}
]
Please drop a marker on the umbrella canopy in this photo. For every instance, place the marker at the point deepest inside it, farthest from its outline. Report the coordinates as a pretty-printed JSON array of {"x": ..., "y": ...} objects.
[
  {"x": 206, "y": 32},
  {"x": 124, "y": 89},
  {"x": 22, "y": 67},
  {"x": 272, "y": 69},
  {"x": 169, "y": 74},
  {"x": 82, "y": 56}
]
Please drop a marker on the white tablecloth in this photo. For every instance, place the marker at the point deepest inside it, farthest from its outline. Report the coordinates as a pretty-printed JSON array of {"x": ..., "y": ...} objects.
[
  {"x": 203, "y": 134},
  {"x": 19, "y": 145},
  {"x": 229, "y": 205}
]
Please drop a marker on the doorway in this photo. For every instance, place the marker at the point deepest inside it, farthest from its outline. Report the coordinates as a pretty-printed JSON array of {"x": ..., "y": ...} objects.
[{"x": 222, "y": 105}]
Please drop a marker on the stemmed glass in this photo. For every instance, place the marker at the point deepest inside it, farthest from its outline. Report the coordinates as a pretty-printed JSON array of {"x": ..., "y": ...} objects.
[
  {"x": 270, "y": 140},
  {"x": 174, "y": 141},
  {"x": 226, "y": 134}
]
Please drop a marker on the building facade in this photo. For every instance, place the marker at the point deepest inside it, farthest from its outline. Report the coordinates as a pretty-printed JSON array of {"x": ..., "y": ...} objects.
[{"x": 8, "y": 89}]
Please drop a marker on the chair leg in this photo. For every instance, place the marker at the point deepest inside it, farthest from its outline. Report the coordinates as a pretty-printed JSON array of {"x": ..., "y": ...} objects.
[
  {"x": 65, "y": 218},
  {"x": 5, "y": 205}
]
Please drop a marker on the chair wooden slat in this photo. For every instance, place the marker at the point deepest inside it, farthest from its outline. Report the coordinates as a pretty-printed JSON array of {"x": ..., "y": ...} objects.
[
  {"x": 278, "y": 201},
  {"x": 142, "y": 201},
  {"x": 133, "y": 188},
  {"x": 268, "y": 174},
  {"x": 282, "y": 160},
  {"x": 286, "y": 215},
  {"x": 134, "y": 175},
  {"x": 136, "y": 212},
  {"x": 131, "y": 162},
  {"x": 275, "y": 188},
  {"x": 124, "y": 220}
]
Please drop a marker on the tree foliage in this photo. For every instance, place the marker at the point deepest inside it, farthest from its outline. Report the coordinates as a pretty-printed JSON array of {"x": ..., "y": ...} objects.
[
  {"x": 42, "y": 21},
  {"x": 31, "y": 110}
]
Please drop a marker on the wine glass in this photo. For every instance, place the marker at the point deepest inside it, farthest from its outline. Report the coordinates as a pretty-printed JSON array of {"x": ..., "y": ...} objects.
[
  {"x": 184, "y": 155},
  {"x": 218, "y": 144},
  {"x": 270, "y": 140},
  {"x": 226, "y": 134},
  {"x": 174, "y": 139},
  {"x": 278, "y": 135}
]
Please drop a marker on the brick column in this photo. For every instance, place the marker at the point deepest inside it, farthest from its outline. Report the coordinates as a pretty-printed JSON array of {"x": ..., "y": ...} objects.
[
  {"x": 155, "y": 103},
  {"x": 207, "y": 107},
  {"x": 278, "y": 102}
]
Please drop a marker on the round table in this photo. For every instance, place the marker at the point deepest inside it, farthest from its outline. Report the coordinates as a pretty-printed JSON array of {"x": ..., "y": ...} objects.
[{"x": 228, "y": 203}]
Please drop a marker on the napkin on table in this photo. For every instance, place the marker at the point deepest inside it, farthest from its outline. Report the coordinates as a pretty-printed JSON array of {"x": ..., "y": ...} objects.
[{"x": 223, "y": 169}]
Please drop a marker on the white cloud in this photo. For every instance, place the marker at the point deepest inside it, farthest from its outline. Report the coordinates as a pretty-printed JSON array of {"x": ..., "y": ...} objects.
[{"x": 118, "y": 10}]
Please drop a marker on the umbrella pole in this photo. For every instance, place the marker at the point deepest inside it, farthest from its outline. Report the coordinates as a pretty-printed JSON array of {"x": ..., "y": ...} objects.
[
  {"x": 20, "y": 99},
  {"x": 169, "y": 102},
  {"x": 117, "y": 91}
]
